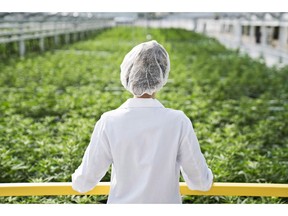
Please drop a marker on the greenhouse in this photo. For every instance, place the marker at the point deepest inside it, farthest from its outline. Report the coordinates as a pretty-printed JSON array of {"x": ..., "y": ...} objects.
[{"x": 59, "y": 72}]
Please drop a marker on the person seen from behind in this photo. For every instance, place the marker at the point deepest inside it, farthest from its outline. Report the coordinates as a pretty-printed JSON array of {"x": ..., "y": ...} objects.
[{"x": 147, "y": 144}]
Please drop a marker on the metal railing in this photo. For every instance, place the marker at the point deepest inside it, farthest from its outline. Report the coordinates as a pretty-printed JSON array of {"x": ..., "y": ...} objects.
[
  {"x": 102, "y": 188},
  {"x": 21, "y": 32}
]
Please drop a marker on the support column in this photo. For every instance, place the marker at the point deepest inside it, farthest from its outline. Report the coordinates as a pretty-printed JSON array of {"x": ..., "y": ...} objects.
[
  {"x": 252, "y": 34},
  {"x": 238, "y": 33},
  {"x": 56, "y": 39},
  {"x": 41, "y": 44},
  {"x": 195, "y": 21},
  {"x": 204, "y": 28},
  {"x": 56, "y": 36},
  {"x": 225, "y": 28},
  {"x": 21, "y": 48},
  {"x": 222, "y": 28},
  {"x": 41, "y": 40},
  {"x": 263, "y": 36},
  {"x": 67, "y": 33},
  {"x": 21, "y": 42},
  {"x": 75, "y": 36},
  {"x": 67, "y": 38},
  {"x": 81, "y": 35},
  {"x": 283, "y": 35}
]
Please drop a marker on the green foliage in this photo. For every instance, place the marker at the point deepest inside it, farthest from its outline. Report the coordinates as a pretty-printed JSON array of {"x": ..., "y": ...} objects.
[{"x": 50, "y": 103}]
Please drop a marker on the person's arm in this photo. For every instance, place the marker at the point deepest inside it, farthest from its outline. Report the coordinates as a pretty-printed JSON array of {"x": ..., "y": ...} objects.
[
  {"x": 96, "y": 161},
  {"x": 192, "y": 162}
]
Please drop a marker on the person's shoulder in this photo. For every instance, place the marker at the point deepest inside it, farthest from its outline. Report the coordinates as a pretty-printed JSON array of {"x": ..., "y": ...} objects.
[
  {"x": 177, "y": 113},
  {"x": 174, "y": 111},
  {"x": 181, "y": 118},
  {"x": 113, "y": 114},
  {"x": 110, "y": 113}
]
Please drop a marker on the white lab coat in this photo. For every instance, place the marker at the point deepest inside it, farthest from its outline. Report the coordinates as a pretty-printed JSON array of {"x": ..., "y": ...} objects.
[{"x": 147, "y": 145}]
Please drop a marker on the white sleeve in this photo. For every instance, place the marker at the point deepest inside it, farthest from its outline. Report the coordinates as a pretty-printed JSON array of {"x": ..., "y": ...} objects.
[
  {"x": 96, "y": 161},
  {"x": 192, "y": 162}
]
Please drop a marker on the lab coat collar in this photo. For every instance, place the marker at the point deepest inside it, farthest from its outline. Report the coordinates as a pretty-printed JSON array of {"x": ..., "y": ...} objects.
[{"x": 141, "y": 102}]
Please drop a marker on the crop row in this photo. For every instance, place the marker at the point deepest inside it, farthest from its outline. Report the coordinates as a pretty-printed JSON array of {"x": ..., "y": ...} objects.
[{"x": 50, "y": 103}]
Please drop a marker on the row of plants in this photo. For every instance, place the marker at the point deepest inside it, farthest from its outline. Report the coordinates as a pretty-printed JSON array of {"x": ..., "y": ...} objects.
[
  {"x": 51, "y": 102},
  {"x": 12, "y": 49}
]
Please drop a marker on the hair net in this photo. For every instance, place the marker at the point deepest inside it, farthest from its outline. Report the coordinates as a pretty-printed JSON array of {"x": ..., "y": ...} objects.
[{"x": 145, "y": 68}]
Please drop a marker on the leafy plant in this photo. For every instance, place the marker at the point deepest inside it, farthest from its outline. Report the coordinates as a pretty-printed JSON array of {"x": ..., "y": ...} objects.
[{"x": 50, "y": 103}]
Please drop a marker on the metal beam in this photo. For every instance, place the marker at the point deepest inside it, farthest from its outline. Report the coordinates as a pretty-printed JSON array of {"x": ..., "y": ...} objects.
[{"x": 102, "y": 188}]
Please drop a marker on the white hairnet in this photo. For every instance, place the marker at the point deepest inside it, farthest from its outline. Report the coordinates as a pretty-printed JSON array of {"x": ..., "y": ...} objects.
[{"x": 145, "y": 68}]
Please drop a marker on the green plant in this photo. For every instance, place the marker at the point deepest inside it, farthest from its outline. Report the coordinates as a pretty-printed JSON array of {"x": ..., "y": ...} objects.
[{"x": 50, "y": 103}]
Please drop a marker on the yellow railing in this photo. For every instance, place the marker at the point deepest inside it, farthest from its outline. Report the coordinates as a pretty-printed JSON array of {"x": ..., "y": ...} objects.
[{"x": 218, "y": 189}]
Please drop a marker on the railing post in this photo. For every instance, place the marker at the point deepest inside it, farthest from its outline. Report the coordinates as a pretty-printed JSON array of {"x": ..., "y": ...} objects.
[
  {"x": 56, "y": 36},
  {"x": 41, "y": 39},
  {"x": 204, "y": 28},
  {"x": 21, "y": 41},
  {"x": 263, "y": 39},
  {"x": 83, "y": 29},
  {"x": 222, "y": 28},
  {"x": 263, "y": 35},
  {"x": 75, "y": 32},
  {"x": 252, "y": 33},
  {"x": 67, "y": 34},
  {"x": 238, "y": 33},
  {"x": 195, "y": 22},
  {"x": 283, "y": 36}
]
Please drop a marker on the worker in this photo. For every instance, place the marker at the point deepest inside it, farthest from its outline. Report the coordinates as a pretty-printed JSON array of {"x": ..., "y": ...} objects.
[{"x": 147, "y": 144}]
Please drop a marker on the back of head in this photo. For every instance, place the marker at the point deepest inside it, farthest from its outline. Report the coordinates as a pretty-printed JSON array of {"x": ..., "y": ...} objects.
[{"x": 145, "y": 68}]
